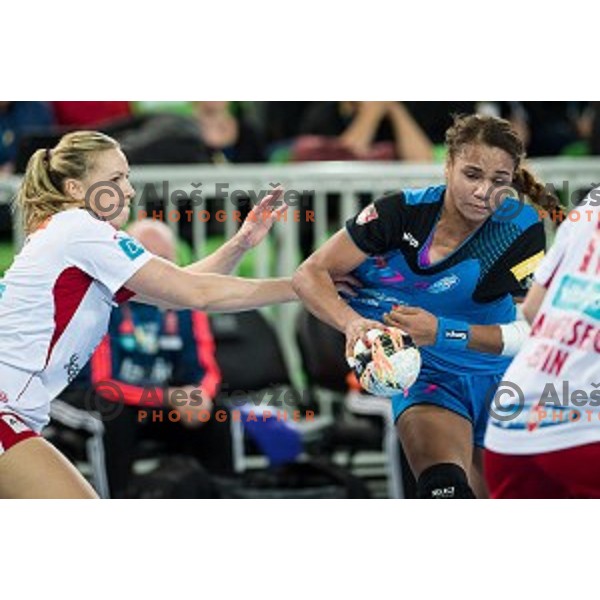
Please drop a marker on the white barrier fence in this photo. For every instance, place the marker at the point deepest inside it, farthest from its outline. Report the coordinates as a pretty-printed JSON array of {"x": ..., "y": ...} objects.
[
  {"x": 339, "y": 182},
  {"x": 347, "y": 179}
]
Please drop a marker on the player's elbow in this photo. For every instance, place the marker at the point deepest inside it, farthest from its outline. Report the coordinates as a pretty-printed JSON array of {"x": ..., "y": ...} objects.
[
  {"x": 299, "y": 280},
  {"x": 306, "y": 275},
  {"x": 199, "y": 297},
  {"x": 186, "y": 290}
]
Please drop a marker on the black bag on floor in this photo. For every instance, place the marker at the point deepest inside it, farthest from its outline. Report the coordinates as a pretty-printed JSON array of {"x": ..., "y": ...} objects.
[
  {"x": 174, "y": 477},
  {"x": 309, "y": 479}
]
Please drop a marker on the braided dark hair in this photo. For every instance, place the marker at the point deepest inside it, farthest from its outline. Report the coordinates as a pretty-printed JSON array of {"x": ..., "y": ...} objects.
[{"x": 499, "y": 133}]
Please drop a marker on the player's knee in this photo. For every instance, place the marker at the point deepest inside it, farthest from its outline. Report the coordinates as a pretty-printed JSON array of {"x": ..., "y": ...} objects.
[{"x": 444, "y": 480}]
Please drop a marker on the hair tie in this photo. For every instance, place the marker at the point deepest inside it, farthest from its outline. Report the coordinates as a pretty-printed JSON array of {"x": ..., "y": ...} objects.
[{"x": 54, "y": 177}]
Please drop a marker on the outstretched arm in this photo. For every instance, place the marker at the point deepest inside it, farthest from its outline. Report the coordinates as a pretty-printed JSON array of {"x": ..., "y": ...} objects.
[
  {"x": 226, "y": 258},
  {"x": 252, "y": 232},
  {"x": 170, "y": 285}
]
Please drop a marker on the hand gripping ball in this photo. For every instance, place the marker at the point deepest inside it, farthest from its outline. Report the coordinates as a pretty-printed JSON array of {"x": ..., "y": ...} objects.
[{"x": 390, "y": 365}]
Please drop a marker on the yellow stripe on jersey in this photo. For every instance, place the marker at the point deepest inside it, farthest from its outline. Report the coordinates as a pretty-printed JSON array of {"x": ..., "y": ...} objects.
[{"x": 528, "y": 266}]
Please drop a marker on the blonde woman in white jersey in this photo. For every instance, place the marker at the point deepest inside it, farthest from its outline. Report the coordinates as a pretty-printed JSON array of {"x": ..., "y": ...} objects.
[
  {"x": 547, "y": 445},
  {"x": 56, "y": 298}
]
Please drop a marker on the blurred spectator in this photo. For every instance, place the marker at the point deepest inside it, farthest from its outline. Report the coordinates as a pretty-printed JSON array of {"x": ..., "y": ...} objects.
[
  {"x": 228, "y": 138},
  {"x": 435, "y": 118},
  {"x": 361, "y": 131},
  {"x": 17, "y": 119},
  {"x": 282, "y": 120},
  {"x": 90, "y": 114},
  {"x": 149, "y": 355},
  {"x": 160, "y": 138},
  {"x": 549, "y": 128},
  {"x": 590, "y": 127}
]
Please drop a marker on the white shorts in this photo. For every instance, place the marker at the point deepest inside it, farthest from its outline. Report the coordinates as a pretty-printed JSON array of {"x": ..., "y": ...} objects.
[{"x": 24, "y": 394}]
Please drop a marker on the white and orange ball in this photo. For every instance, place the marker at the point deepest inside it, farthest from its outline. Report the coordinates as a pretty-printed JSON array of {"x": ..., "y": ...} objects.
[{"x": 390, "y": 365}]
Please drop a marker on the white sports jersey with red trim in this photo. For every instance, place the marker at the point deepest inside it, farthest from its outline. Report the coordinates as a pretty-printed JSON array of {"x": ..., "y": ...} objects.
[
  {"x": 55, "y": 304},
  {"x": 557, "y": 372}
]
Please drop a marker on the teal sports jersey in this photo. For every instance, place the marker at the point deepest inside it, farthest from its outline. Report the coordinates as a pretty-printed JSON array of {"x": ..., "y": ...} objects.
[{"x": 476, "y": 283}]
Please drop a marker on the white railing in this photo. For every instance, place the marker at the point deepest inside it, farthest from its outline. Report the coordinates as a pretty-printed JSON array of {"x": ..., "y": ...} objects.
[{"x": 346, "y": 179}]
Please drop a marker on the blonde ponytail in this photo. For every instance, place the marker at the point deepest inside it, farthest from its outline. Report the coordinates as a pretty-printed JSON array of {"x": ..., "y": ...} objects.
[{"x": 42, "y": 191}]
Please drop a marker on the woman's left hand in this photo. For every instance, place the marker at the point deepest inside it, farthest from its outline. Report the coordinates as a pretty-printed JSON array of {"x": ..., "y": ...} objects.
[
  {"x": 347, "y": 285},
  {"x": 260, "y": 219},
  {"x": 418, "y": 323}
]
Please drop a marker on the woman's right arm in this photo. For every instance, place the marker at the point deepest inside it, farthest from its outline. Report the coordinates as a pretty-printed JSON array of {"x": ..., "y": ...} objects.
[
  {"x": 314, "y": 284},
  {"x": 161, "y": 280}
]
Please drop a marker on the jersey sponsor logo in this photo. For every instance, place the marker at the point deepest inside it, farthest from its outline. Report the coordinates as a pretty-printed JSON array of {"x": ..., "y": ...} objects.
[
  {"x": 444, "y": 284},
  {"x": 456, "y": 334},
  {"x": 15, "y": 424},
  {"x": 410, "y": 238},
  {"x": 367, "y": 215},
  {"x": 577, "y": 294},
  {"x": 131, "y": 247},
  {"x": 146, "y": 336},
  {"x": 72, "y": 367},
  {"x": 3, "y": 396},
  {"x": 528, "y": 266},
  {"x": 2, "y": 289}
]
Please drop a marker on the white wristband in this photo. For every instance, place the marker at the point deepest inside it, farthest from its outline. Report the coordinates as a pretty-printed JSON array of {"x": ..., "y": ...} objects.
[{"x": 513, "y": 337}]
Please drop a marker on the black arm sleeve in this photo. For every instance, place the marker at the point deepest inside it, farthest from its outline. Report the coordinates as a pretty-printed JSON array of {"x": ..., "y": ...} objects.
[
  {"x": 378, "y": 228},
  {"x": 513, "y": 271}
]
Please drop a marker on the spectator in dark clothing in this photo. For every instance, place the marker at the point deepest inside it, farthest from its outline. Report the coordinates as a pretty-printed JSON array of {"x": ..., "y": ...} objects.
[
  {"x": 546, "y": 128},
  {"x": 282, "y": 120},
  {"x": 17, "y": 119},
  {"x": 227, "y": 138},
  {"x": 590, "y": 127},
  {"x": 150, "y": 355},
  {"x": 435, "y": 118},
  {"x": 552, "y": 126}
]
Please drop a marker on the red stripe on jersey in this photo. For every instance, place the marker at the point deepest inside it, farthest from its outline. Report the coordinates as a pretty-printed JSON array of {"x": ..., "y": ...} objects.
[
  {"x": 69, "y": 290},
  {"x": 123, "y": 294}
]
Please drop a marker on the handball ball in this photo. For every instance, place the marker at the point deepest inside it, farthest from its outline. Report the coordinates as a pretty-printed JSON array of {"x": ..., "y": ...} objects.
[{"x": 390, "y": 366}]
